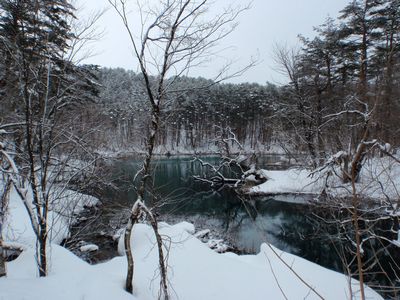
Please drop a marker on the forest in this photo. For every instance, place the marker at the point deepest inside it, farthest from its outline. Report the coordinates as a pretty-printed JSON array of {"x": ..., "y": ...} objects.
[
  {"x": 65, "y": 125},
  {"x": 350, "y": 63}
]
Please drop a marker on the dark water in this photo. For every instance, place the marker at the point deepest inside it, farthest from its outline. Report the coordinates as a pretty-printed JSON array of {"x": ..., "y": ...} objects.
[{"x": 244, "y": 222}]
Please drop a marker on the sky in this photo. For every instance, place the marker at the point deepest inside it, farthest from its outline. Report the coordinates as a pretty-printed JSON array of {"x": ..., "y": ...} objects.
[{"x": 265, "y": 24}]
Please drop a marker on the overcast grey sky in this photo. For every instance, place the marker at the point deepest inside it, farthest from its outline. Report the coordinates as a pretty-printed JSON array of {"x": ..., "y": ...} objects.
[{"x": 266, "y": 23}]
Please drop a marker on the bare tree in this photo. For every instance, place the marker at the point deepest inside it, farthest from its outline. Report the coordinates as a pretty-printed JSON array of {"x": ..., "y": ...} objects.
[
  {"x": 232, "y": 159},
  {"x": 85, "y": 33},
  {"x": 174, "y": 36},
  {"x": 298, "y": 113},
  {"x": 360, "y": 219},
  {"x": 44, "y": 88}
]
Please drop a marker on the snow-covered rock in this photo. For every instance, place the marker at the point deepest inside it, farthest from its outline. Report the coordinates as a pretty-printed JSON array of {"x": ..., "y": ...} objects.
[
  {"x": 89, "y": 248},
  {"x": 217, "y": 245},
  {"x": 202, "y": 233}
]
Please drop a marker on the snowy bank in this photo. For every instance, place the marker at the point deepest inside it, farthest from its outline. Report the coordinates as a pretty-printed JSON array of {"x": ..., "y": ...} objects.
[
  {"x": 118, "y": 151},
  {"x": 63, "y": 210},
  {"x": 292, "y": 181},
  {"x": 379, "y": 180},
  {"x": 195, "y": 273}
]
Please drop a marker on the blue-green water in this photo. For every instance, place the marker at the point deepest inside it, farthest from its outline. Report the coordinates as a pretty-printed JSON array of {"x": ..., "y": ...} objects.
[{"x": 244, "y": 221}]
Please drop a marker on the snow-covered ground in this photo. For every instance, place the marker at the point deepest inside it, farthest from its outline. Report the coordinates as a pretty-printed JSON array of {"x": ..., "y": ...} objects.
[
  {"x": 18, "y": 229},
  {"x": 287, "y": 181},
  {"x": 195, "y": 272},
  {"x": 380, "y": 179}
]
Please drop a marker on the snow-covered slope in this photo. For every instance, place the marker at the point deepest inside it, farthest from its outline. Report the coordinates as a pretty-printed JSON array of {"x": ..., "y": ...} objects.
[
  {"x": 195, "y": 272},
  {"x": 17, "y": 228}
]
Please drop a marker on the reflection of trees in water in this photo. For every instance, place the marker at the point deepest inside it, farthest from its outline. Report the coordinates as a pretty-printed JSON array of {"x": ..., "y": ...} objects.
[
  {"x": 244, "y": 220},
  {"x": 380, "y": 256},
  {"x": 285, "y": 225},
  {"x": 282, "y": 223},
  {"x": 290, "y": 227}
]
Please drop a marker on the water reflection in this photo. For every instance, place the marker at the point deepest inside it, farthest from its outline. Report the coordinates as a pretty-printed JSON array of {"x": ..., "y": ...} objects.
[{"x": 245, "y": 222}]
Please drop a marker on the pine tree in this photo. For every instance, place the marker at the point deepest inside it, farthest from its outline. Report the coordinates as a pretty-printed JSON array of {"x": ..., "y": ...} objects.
[
  {"x": 386, "y": 60},
  {"x": 356, "y": 39}
]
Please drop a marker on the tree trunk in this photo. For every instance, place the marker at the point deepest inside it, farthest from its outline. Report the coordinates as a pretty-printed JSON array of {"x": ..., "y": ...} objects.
[
  {"x": 3, "y": 209},
  {"x": 3, "y": 271},
  {"x": 363, "y": 83},
  {"x": 128, "y": 250},
  {"x": 136, "y": 209},
  {"x": 318, "y": 120},
  {"x": 355, "y": 217},
  {"x": 42, "y": 240},
  {"x": 161, "y": 261},
  {"x": 355, "y": 174}
]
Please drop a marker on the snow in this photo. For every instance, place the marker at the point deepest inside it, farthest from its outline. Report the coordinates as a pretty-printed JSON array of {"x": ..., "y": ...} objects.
[
  {"x": 70, "y": 278},
  {"x": 195, "y": 272},
  {"x": 379, "y": 179},
  {"x": 287, "y": 181},
  {"x": 17, "y": 227},
  {"x": 217, "y": 245},
  {"x": 251, "y": 178},
  {"x": 202, "y": 233},
  {"x": 187, "y": 227},
  {"x": 89, "y": 248}
]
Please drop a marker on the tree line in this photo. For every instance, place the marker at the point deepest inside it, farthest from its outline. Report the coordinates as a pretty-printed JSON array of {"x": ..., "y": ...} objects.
[
  {"x": 190, "y": 112},
  {"x": 352, "y": 62},
  {"x": 349, "y": 69}
]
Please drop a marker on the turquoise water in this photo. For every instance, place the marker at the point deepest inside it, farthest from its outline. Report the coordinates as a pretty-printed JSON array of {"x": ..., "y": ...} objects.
[{"x": 245, "y": 222}]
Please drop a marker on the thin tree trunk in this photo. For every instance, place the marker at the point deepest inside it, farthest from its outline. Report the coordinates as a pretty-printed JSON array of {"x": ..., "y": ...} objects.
[
  {"x": 161, "y": 261},
  {"x": 3, "y": 271},
  {"x": 318, "y": 119},
  {"x": 42, "y": 240},
  {"x": 355, "y": 173},
  {"x": 145, "y": 172},
  {"x": 128, "y": 249},
  {"x": 3, "y": 208},
  {"x": 358, "y": 240}
]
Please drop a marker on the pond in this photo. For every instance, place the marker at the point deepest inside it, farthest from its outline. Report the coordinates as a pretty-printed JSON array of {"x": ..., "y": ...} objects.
[
  {"x": 286, "y": 221},
  {"x": 244, "y": 223}
]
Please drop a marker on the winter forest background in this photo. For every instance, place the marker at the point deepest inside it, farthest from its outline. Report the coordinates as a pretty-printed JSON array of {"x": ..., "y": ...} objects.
[
  {"x": 352, "y": 58},
  {"x": 336, "y": 118}
]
